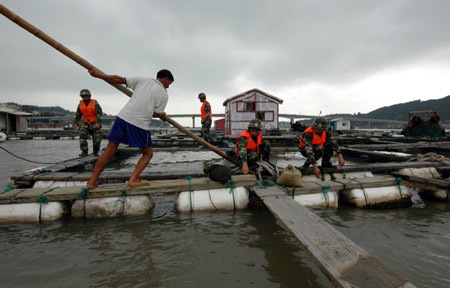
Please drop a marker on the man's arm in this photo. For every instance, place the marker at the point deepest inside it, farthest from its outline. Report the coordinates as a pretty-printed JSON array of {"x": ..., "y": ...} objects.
[
  {"x": 78, "y": 116},
  {"x": 208, "y": 111},
  {"x": 242, "y": 147},
  {"x": 336, "y": 148},
  {"x": 116, "y": 79},
  {"x": 99, "y": 115}
]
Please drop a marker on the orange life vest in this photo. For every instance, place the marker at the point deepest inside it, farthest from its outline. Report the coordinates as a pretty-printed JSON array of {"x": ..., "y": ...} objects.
[
  {"x": 89, "y": 113},
  {"x": 202, "y": 109},
  {"x": 251, "y": 145},
  {"x": 317, "y": 140}
]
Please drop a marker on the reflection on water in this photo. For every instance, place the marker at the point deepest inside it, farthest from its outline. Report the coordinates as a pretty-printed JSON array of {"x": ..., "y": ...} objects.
[{"x": 222, "y": 249}]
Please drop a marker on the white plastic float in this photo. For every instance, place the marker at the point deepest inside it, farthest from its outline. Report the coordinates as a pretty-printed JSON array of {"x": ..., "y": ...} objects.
[
  {"x": 426, "y": 172},
  {"x": 32, "y": 212},
  {"x": 211, "y": 200},
  {"x": 3, "y": 137},
  {"x": 112, "y": 207},
  {"x": 48, "y": 184},
  {"x": 342, "y": 176},
  {"x": 330, "y": 199},
  {"x": 378, "y": 197}
]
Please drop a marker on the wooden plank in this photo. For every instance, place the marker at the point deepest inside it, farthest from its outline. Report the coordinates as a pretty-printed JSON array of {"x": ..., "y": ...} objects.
[
  {"x": 344, "y": 262},
  {"x": 444, "y": 184},
  {"x": 398, "y": 146},
  {"x": 115, "y": 190}
]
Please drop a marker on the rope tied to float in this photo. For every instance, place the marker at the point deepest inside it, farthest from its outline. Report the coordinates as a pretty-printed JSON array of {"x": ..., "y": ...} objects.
[
  {"x": 230, "y": 185},
  {"x": 398, "y": 182},
  {"x": 8, "y": 189},
  {"x": 83, "y": 193},
  {"x": 42, "y": 199},
  {"x": 124, "y": 191},
  {"x": 324, "y": 192},
  {"x": 265, "y": 183},
  {"x": 190, "y": 193},
  {"x": 362, "y": 187},
  {"x": 83, "y": 196}
]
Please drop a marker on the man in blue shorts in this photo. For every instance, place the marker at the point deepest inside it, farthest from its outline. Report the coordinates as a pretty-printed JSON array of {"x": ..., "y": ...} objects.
[{"x": 132, "y": 124}]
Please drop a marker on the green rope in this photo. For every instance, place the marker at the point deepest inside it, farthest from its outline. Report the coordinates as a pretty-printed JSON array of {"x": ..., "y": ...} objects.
[
  {"x": 190, "y": 193},
  {"x": 124, "y": 191},
  {"x": 399, "y": 183},
  {"x": 325, "y": 192},
  {"x": 8, "y": 189},
  {"x": 83, "y": 193},
  {"x": 231, "y": 183},
  {"x": 354, "y": 180},
  {"x": 325, "y": 187},
  {"x": 42, "y": 199},
  {"x": 265, "y": 183},
  {"x": 287, "y": 190}
]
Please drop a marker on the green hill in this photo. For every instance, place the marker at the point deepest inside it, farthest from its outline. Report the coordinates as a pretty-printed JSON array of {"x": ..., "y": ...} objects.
[{"x": 400, "y": 111}]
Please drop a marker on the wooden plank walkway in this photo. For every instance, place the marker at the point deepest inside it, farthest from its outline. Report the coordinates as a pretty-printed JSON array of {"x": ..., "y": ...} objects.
[
  {"x": 160, "y": 187},
  {"x": 344, "y": 262}
]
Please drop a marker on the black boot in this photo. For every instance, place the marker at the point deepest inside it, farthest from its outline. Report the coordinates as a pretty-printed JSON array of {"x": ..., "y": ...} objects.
[
  {"x": 327, "y": 164},
  {"x": 83, "y": 154}
]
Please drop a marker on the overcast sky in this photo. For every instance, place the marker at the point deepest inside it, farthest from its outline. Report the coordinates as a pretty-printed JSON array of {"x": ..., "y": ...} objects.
[{"x": 330, "y": 56}]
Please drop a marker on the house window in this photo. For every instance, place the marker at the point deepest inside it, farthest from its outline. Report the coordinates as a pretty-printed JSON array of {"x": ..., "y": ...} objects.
[
  {"x": 249, "y": 106},
  {"x": 260, "y": 116}
]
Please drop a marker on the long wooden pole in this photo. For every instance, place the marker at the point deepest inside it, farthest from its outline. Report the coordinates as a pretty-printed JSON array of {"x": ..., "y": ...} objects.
[{"x": 72, "y": 55}]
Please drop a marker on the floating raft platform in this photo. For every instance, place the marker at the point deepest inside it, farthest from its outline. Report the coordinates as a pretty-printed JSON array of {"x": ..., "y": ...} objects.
[
  {"x": 344, "y": 262},
  {"x": 157, "y": 187}
]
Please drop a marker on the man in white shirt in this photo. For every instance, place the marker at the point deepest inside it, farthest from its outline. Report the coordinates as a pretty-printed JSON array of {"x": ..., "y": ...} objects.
[{"x": 132, "y": 124}]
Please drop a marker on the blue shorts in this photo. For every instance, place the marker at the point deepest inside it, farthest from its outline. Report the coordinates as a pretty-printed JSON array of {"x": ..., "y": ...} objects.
[{"x": 126, "y": 133}]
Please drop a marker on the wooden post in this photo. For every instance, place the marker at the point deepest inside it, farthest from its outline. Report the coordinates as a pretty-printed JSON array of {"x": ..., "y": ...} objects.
[{"x": 72, "y": 55}]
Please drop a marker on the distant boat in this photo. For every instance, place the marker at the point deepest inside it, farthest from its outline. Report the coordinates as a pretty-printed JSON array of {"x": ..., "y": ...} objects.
[{"x": 424, "y": 123}]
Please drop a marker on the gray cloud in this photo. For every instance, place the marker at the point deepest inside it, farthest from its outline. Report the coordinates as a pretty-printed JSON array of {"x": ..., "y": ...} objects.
[{"x": 224, "y": 48}]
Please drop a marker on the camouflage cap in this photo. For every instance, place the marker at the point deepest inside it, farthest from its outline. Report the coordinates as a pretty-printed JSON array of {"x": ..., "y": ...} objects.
[
  {"x": 85, "y": 92},
  {"x": 255, "y": 123},
  {"x": 320, "y": 123},
  {"x": 202, "y": 96}
]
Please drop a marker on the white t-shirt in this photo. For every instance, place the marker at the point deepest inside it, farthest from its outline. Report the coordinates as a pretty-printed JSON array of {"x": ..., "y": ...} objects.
[{"x": 149, "y": 96}]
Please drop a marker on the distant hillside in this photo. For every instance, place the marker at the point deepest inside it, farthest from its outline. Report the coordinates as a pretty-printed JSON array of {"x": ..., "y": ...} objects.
[
  {"x": 39, "y": 110},
  {"x": 400, "y": 111}
]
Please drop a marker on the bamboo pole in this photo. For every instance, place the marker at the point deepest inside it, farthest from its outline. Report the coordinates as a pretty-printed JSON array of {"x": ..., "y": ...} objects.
[{"x": 72, "y": 55}]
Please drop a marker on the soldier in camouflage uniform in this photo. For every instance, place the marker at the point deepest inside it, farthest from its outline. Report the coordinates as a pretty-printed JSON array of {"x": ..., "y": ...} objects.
[
  {"x": 250, "y": 147},
  {"x": 317, "y": 142},
  {"x": 91, "y": 112},
  {"x": 206, "y": 117}
]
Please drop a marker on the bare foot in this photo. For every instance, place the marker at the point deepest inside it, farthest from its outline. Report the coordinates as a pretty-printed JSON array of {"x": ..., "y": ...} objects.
[
  {"x": 90, "y": 186},
  {"x": 140, "y": 183}
]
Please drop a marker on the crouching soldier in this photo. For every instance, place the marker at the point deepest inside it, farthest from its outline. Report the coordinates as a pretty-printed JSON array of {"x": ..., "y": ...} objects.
[
  {"x": 316, "y": 142},
  {"x": 250, "y": 147}
]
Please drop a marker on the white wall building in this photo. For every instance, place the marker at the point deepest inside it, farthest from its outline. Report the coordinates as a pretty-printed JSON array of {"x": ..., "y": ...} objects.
[
  {"x": 252, "y": 104},
  {"x": 340, "y": 124}
]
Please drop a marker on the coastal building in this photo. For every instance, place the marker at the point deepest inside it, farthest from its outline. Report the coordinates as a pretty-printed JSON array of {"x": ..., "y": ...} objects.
[
  {"x": 12, "y": 120},
  {"x": 339, "y": 124},
  {"x": 251, "y": 104}
]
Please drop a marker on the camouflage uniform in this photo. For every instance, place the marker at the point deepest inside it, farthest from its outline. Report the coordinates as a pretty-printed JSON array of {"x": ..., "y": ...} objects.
[
  {"x": 251, "y": 157},
  {"x": 313, "y": 152},
  {"x": 206, "y": 124},
  {"x": 88, "y": 129}
]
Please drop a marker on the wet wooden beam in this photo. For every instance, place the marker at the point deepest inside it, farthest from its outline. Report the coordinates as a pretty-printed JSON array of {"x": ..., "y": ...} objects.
[{"x": 344, "y": 262}]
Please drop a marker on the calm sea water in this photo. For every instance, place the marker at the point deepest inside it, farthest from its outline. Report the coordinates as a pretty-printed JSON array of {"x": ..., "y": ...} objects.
[{"x": 223, "y": 249}]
